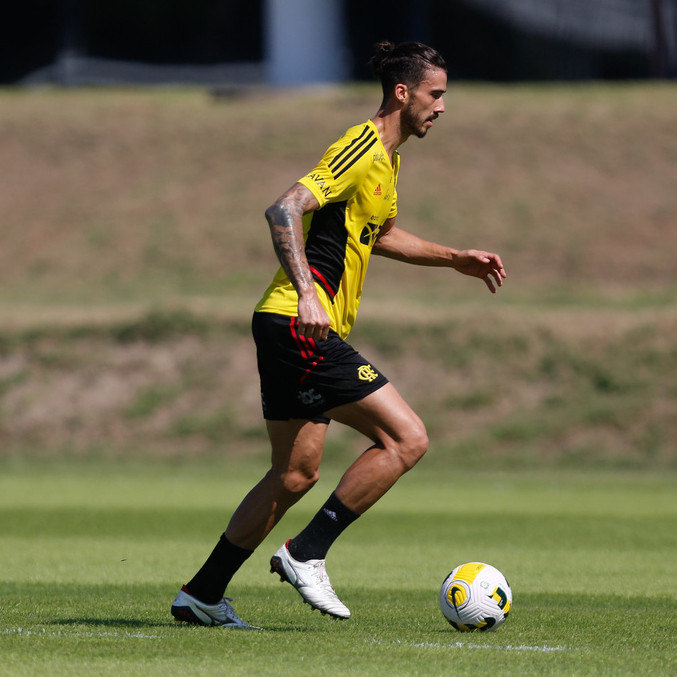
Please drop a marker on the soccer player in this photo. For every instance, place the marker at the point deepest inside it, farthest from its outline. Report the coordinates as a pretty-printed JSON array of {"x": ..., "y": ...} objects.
[{"x": 324, "y": 229}]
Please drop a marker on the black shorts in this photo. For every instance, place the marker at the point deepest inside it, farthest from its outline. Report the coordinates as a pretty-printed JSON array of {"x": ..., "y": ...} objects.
[{"x": 303, "y": 378}]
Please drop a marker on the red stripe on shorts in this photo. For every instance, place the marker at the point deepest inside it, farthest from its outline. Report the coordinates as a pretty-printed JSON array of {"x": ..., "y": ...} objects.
[
  {"x": 293, "y": 322},
  {"x": 306, "y": 346}
]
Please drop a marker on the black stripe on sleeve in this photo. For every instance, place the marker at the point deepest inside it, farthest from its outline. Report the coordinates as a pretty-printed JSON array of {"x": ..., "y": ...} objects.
[
  {"x": 356, "y": 158},
  {"x": 349, "y": 158},
  {"x": 333, "y": 164}
]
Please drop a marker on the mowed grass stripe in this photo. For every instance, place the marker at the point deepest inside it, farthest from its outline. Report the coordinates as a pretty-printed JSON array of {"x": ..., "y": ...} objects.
[
  {"x": 126, "y": 626},
  {"x": 91, "y": 589},
  {"x": 387, "y": 526}
]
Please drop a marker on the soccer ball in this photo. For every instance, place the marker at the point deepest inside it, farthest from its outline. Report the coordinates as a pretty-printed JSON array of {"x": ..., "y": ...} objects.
[{"x": 475, "y": 596}]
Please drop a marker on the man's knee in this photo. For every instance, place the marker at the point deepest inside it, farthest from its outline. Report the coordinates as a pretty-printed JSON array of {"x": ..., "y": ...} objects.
[
  {"x": 413, "y": 445},
  {"x": 298, "y": 481}
]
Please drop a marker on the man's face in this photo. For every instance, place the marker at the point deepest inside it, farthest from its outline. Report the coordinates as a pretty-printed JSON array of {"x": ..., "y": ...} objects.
[{"x": 425, "y": 103}]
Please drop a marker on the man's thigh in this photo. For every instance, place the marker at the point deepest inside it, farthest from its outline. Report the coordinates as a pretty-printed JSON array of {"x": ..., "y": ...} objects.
[{"x": 382, "y": 415}]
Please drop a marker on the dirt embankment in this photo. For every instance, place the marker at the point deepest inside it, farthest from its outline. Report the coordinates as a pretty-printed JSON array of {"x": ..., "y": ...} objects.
[
  {"x": 512, "y": 388},
  {"x": 114, "y": 202},
  {"x": 111, "y": 195}
]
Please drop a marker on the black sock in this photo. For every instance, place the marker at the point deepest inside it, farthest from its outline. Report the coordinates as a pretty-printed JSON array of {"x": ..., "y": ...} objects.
[
  {"x": 209, "y": 584},
  {"x": 315, "y": 540}
]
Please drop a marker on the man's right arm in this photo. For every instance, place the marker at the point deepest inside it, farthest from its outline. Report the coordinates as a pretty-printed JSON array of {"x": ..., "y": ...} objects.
[{"x": 285, "y": 218}]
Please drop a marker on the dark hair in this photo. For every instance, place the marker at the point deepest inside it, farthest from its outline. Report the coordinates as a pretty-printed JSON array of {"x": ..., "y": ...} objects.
[{"x": 405, "y": 62}]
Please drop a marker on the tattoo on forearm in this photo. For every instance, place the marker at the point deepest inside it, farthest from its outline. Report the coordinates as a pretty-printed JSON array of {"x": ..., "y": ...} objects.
[{"x": 284, "y": 218}]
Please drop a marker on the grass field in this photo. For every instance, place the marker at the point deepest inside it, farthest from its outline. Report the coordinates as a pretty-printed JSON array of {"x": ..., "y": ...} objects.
[
  {"x": 133, "y": 249},
  {"x": 91, "y": 557}
]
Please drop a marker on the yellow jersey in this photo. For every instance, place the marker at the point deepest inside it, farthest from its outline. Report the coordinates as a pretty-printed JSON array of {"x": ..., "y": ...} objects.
[{"x": 355, "y": 186}]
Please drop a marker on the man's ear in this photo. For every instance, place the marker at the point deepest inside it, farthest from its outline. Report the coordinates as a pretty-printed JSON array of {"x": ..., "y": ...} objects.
[{"x": 401, "y": 93}]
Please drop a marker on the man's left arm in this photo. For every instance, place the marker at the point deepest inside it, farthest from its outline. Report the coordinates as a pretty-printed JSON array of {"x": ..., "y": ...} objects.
[{"x": 398, "y": 244}]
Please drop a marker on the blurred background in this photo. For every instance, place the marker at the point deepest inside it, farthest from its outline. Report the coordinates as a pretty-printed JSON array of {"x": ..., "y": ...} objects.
[
  {"x": 142, "y": 141},
  {"x": 75, "y": 42}
]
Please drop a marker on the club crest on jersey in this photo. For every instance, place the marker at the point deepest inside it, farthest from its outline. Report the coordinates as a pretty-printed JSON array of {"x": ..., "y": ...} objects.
[{"x": 369, "y": 234}]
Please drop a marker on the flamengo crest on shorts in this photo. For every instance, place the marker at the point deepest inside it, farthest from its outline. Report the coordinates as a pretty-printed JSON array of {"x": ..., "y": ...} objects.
[{"x": 366, "y": 373}]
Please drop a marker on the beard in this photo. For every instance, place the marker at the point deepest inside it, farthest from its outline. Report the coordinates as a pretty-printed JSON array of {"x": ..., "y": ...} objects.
[{"x": 412, "y": 123}]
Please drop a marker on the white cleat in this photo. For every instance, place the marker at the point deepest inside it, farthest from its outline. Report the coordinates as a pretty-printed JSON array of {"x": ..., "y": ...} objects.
[
  {"x": 311, "y": 580},
  {"x": 188, "y": 609}
]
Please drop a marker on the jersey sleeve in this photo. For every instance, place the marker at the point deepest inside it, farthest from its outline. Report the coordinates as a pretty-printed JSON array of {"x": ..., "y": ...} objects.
[
  {"x": 393, "y": 207},
  {"x": 342, "y": 168}
]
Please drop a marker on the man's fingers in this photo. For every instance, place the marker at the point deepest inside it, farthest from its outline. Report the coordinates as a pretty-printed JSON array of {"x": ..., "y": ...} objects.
[
  {"x": 306, "y": 330},
  {"x": 314, "y": 331},
  {"x": 321, "y": 333},
  {"x": 498, "y": 262}
]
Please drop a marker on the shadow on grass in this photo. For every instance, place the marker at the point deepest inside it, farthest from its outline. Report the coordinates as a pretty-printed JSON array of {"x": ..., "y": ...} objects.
[
  {"x": 130, "y": 623},
  {"x": 125, "y": 623},
  {"x": 139, "y": 601}
]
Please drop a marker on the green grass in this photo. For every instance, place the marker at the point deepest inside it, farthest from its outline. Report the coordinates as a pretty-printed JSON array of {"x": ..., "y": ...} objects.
[
  {"x": 91, "y": 556},
  {"x": 127, "y": 336}
]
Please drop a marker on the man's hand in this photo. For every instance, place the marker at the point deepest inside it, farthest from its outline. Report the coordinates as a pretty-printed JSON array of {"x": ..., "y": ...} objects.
[
  {"x": 313, "y": 319},
  {"x": 485, "y": 265}
]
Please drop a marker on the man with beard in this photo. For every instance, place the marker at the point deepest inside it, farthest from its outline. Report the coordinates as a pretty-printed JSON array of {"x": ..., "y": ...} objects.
[{"x": 324, "y": 228}]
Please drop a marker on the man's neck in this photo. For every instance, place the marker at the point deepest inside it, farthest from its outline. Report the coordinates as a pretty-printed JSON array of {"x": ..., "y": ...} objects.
[{"x": 387, "y": 123}]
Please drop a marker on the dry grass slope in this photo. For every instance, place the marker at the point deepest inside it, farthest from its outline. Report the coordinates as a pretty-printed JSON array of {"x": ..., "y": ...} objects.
[
  {"x": 134, "y": 247},
  {"x": 116, "y": 195}
]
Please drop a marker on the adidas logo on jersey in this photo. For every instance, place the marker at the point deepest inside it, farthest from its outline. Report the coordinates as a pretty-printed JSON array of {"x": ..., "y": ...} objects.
[{"x": 378, "y": 191}]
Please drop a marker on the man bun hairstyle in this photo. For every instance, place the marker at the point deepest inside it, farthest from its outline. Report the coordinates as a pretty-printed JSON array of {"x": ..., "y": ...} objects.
[{"x": 404, "y": 62}]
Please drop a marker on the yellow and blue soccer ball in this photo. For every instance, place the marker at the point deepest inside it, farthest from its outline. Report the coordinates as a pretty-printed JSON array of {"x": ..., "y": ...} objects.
[{"x": 475, "y": 596}]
